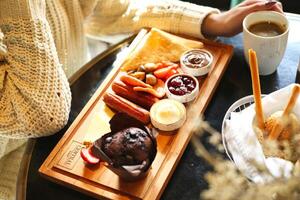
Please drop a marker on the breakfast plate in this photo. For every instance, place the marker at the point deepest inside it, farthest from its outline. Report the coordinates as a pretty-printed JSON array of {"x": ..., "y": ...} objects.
[{"x": 65, "y": 166}]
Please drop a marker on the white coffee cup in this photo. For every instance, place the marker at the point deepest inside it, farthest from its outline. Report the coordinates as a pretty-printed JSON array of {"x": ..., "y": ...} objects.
[{"x": 269, "y": 49}]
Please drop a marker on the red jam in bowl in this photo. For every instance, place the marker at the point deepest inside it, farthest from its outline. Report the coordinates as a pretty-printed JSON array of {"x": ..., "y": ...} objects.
[
  {"x": 181, "y": 85},
  {"x": 196, "y": 59}
]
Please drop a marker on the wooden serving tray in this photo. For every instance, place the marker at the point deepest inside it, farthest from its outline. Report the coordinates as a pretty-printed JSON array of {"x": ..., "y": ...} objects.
[{"x": 65, "y": 166}]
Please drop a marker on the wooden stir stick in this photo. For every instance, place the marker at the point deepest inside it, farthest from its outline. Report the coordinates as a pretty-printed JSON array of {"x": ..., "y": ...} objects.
[
  {"x": 279, "y": 126},
  {"x": 256, "y": 89}
]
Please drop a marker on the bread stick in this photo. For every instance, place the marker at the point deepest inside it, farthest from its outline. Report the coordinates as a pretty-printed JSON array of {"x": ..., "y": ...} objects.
[
  {"x": 256, "y": 89},
  {"x": 292, "y": 100},
  {"x": 279, "y": 125}
]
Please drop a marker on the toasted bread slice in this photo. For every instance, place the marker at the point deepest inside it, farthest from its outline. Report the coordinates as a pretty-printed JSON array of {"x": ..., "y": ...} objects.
[{"x": 158, "y": 46}]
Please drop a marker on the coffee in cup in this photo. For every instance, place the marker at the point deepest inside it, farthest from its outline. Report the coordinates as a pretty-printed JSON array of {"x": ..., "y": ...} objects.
[
  {"x": 266, "y": 32},
  {"x": 266, "y": 29}
]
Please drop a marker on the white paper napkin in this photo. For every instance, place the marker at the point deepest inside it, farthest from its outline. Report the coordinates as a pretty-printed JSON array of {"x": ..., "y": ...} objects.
[{"x": 243, "y": 145}]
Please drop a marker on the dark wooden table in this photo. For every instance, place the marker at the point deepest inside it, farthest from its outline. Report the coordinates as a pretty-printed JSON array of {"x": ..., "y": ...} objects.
[{"x": 188, "y": 179}]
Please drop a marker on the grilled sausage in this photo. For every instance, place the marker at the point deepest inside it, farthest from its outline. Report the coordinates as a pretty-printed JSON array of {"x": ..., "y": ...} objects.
[
  {"x": 126, "y": 91},
  {"x": 123, "y": 105}
]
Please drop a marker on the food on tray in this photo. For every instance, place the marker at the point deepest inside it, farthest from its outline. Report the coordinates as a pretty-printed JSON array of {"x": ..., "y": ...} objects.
[
  {"x": 139, "y": 75},
  {"x": 149, "y": 67},
  {"x": 130, "y": 146},
  {"x": 129, "y": 149},
  {"x": 120, "y": 104},
  {"x": 88, "y": 157},
  {"x": 158, "y": 45},
  {"x": 150, "y": 72},
  {"x": 196, "y": 62},
  {"x": 158, "y": 89},
  {"x": 182, "y": 87},
  {"x": 133, "y": 81},
  {"x": 151, "y": 79},
  {"x": 166, "y": 72},
  {"x": 167, "y": 114},
  {"x": 127, "y": 92}
]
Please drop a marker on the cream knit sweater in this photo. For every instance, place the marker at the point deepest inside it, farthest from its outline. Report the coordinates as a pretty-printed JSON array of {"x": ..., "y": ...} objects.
[{"x": 42, "y": 44}]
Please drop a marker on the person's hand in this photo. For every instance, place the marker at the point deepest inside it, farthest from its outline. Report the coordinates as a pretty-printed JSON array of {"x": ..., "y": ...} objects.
[{"x": 229, "y": 23}]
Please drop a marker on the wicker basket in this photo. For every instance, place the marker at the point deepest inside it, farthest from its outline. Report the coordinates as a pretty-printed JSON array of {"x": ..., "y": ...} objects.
[{"x": 237, "y": 106}]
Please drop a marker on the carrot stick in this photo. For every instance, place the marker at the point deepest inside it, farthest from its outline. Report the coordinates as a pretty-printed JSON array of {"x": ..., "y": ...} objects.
[
  {"x": 150, "y": 91},
  {"x": 130, "y": 80},
  {"x": 279, "y": 126},
  {"x": 256, "y": 89},
  {"x": 157, "y": 90}
]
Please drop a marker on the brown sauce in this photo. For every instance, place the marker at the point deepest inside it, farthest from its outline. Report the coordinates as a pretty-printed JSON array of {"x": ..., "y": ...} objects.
[{"x": 196, "y": 59}]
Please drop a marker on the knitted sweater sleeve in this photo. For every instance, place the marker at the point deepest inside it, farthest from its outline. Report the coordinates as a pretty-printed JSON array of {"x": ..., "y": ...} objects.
[
  {"x": 117, "y": 16},
  {"x": 34, "y": 92}
]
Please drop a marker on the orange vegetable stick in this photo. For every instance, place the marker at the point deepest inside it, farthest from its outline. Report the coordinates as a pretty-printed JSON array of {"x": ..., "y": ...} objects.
[
  {"x": 278, "y": 126},
  {"x": 157, "y": 90},
  {"x": 130, "y": 80},
  {"x": 162, "y": 73},
  {"x": 256, "y": 89}
]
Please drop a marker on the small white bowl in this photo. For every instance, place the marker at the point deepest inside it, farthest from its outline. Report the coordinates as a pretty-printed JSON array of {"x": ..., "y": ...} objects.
[
  {"x": 167, "y": 107},
  {"x": 186, "y": 97},
  {"x": 196, "y": 71}
]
